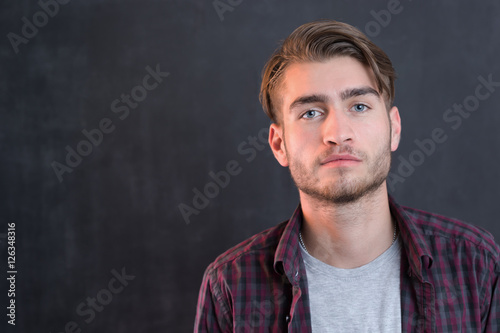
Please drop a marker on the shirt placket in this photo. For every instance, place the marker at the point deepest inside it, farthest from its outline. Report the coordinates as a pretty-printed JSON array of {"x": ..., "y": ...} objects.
[
  {"x": 426, "y": 317},
  {"x": 296, "y": 292},
  {"x": 428, "y": 308}
]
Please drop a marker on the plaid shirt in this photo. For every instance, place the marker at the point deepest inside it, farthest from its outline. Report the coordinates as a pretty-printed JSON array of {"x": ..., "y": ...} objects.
[{"x": 449, "y": 279}]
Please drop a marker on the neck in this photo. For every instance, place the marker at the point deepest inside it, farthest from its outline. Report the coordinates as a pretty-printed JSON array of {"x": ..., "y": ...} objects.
[{"x": 348, "y": 235}]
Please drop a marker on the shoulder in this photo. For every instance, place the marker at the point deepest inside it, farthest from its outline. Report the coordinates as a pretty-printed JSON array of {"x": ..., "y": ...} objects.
[
  {"x": 259, "y": 247},
  {"x": 448, "y": 229}
]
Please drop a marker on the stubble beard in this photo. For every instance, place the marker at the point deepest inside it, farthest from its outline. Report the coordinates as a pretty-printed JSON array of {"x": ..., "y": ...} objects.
[{"x": 347, "y": 188}]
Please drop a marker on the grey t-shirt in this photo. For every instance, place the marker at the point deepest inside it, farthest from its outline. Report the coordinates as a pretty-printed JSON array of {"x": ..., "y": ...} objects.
[{"x": 362, "y": 299}]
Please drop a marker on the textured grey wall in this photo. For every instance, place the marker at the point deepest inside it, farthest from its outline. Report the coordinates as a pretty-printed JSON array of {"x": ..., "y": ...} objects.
[{"x": 114, "y": 113}]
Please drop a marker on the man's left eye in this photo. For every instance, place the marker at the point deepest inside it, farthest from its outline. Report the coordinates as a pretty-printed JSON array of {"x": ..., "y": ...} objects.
[
  {"x": 310, "y": 114},
  {"x": 360, "y": 107}
]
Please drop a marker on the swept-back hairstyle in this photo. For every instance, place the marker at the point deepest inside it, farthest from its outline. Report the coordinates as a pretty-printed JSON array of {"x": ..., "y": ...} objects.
[{"x": 319, "y": 41}]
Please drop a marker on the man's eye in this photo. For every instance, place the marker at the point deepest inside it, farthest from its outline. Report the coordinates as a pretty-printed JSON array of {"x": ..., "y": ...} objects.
[
  {"x": 311, "y": 114},
  {"x": 359, "y": 107}
]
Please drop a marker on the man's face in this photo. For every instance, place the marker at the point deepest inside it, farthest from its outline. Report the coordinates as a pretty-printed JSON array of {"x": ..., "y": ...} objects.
[{"x": 335, "y": 135}]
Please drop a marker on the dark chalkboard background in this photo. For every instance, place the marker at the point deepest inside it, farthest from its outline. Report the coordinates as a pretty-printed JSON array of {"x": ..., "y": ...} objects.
[{"x": 118, "y": 208}]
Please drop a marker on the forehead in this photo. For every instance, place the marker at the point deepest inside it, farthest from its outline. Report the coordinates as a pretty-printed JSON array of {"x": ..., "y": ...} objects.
[{"x": 329, "y": 77}]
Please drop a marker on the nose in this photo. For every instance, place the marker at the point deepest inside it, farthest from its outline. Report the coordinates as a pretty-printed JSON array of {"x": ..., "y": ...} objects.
[{"x": 337, "y": 128}]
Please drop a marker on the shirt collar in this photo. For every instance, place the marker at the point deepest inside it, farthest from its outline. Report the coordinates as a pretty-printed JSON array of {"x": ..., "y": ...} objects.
[
  {"x": 415, "y": 244},
  {"x": 287, "y": 256}
]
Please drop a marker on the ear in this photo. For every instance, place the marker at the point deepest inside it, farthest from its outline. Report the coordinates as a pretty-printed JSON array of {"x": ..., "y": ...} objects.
[
  {"x": 395, "y": 120},
  {"x": 277, "y": 144}
]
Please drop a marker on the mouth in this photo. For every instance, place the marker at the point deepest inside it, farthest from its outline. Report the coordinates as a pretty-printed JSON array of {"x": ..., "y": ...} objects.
[{"x": 340, "y": 160}]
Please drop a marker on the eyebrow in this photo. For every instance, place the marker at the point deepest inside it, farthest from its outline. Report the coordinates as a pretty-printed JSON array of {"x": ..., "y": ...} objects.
[
  {"x": 349, "y": 93},
  {"x": 309, "y": 100},
  {"x": 344, "y": 95}
]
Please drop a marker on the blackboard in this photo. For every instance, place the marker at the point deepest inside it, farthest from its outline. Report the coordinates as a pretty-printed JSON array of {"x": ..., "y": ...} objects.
[{"x": 115, "y": 114}]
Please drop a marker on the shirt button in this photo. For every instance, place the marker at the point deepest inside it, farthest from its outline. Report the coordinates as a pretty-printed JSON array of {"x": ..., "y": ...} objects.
[{"x": 287, "y": 319}]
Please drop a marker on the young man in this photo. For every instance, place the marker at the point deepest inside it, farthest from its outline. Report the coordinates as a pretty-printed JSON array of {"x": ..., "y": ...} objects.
[{"x": 350, "y": 259}]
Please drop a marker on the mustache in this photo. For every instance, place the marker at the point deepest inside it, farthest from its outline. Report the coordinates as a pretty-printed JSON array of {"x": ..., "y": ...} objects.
[{"x": 339, "y": 150}]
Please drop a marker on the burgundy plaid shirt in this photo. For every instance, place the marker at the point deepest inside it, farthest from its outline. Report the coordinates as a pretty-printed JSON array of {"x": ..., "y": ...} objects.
[{"x": 449, "y": 279}]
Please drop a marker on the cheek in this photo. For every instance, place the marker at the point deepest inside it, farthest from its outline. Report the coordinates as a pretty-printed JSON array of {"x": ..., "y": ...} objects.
[
  {"x": 375, "y": 135},
  {"x": 298, "y": 139}
]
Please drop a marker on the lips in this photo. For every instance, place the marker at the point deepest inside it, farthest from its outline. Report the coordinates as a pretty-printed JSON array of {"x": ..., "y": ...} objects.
[{"x": 339, "y": 158}]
